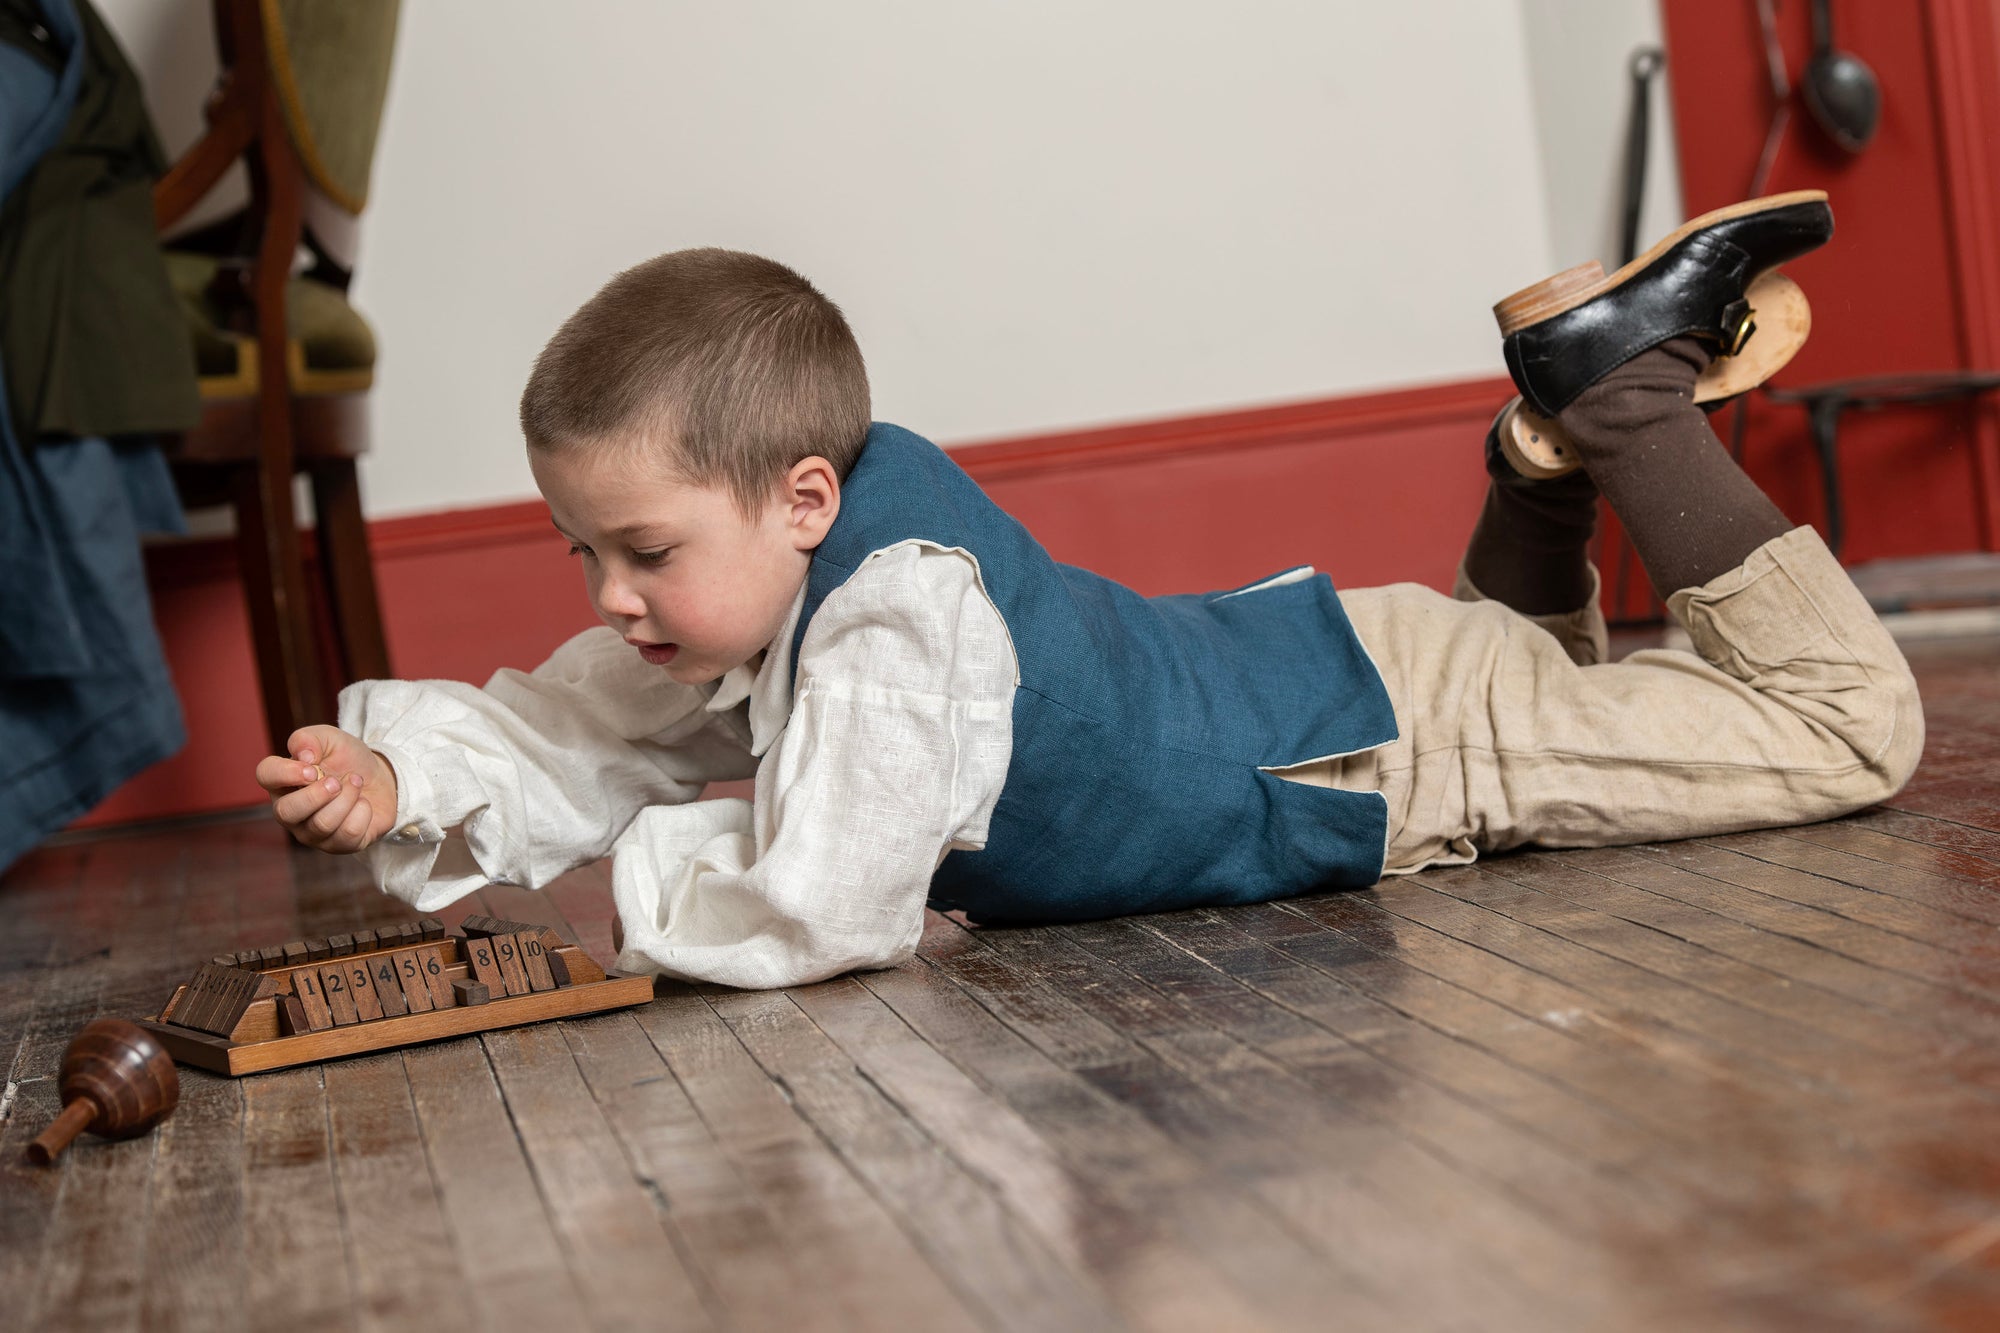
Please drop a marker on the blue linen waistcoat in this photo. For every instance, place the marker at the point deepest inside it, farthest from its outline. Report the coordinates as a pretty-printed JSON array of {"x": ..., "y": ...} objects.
[{"x": 1141, "y": 724}]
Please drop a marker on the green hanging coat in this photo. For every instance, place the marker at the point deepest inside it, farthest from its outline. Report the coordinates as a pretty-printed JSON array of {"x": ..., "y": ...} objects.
[{"x": 91, "y": 333}]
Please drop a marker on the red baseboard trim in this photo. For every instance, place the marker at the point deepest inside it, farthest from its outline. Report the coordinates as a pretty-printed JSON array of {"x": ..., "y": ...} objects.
[
  {"x": 1181, "y": 504},
  {"x": 1323, "y": 420},
  {"x": 1317, "y": 421}
]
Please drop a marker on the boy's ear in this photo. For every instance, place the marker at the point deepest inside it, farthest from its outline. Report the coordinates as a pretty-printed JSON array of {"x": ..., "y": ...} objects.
[{"x": 812, "y": 501}]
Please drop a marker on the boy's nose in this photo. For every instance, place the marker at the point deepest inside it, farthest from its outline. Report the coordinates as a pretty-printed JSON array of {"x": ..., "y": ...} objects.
[{"x": 617, "y": 600}]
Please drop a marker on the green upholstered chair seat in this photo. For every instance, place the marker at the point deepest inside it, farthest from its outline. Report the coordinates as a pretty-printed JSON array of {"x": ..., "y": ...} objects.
[{"x": 331, "y": 341}]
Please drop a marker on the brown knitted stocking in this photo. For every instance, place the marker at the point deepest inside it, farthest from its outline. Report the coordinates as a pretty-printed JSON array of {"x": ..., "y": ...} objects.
[
  {"x": 1691, "y": 512},
  {"x": 1530, "y": 548}
]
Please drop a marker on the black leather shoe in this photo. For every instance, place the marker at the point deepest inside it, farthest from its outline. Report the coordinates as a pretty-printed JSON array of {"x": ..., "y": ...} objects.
[{"x": 1563, "y": 335}]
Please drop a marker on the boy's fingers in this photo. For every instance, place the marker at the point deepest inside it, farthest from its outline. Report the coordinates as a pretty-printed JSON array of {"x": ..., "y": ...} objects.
[
  {"x": 271, "y": 772},
  {"x": 278, "y": 775},
  {"x": 304, "y": 745},
  {"x": 293, "y": 807},
  {"x": 297, "y": 806},
  {"x": 327, "y": 820},
  {"x": 353, "y": 833}
]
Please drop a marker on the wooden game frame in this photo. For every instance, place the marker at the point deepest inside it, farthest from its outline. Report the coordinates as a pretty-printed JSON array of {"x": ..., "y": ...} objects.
[{"x": 256, "y": 1043}]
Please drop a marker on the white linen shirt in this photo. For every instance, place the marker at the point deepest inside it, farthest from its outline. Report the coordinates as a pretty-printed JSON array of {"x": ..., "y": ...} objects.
[{"x": 890, "y": 754}]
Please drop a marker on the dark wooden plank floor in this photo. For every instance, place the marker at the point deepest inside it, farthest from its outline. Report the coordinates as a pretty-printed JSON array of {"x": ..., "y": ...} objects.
[{"x": 1747, "y": 1082}]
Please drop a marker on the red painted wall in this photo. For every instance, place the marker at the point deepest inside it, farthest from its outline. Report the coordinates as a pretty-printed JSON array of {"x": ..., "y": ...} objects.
[
  {"x": 1893, "y": 293},
  {"x": 1372, "y": 489}
]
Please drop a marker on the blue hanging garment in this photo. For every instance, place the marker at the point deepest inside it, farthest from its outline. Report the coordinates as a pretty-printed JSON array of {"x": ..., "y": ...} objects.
[{"x": 85, "y": 698}]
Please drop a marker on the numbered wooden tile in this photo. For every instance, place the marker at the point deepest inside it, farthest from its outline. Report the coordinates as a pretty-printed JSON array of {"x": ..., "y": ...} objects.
[
  {"x": 333, "y": 979},
  {"x": 469, "y": 991},
  {"x": 534, "y": 960},
  {"x": 512, "y": 973},
  {"x": 483, "y": 964},
  {"x": 311, "y": 994},
  {"x": 340, "y": 945},
  {"x": 292, "y": 1016},
  {"x": 217, "y": 996},
  {"x": 198, "y": 997},
  {"x": 558, "y": 968},
  {"x": 181, "y": 1006},
  {"x": 361, "y": 985},
  {"x": 318, "y": 950},
  {"x": 432, "y": 927},
  {"x": 388, "y": 986},
  {"x": 492, "y": 925},
  {"x": 235, "y": 998},
  {"x": 260, "y": 986},
  {"x": 411, "y": 981},
  {"x": 364, "y": 940},
  {"x": 437, "y": 977},
  {"x": 295, "y": 953},
  {"x": 244, "y": 988},
  {"x": 272, "y": 957}
]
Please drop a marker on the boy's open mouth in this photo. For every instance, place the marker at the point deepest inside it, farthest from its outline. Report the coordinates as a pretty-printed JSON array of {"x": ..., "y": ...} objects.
[{"x": 659, "y": 654}]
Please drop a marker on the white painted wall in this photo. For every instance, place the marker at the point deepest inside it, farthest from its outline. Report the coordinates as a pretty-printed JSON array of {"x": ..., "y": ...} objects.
[
  {"x": 1037, "y": 215},
  {"x": 1582, "y": 94}
]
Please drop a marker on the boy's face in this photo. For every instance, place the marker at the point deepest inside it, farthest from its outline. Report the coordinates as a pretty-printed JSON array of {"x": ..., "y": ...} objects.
[{"x": 675, "y": 567}]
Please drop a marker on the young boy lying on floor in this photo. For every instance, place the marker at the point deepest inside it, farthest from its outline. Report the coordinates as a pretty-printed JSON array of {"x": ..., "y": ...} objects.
[{"x": 935, "y": 711}]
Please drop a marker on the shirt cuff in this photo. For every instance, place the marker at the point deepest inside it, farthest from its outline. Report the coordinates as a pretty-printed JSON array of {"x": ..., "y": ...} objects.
[
  {"x": 435, "y": 793},
  {"x": 435, "y": 786},
  {"x": 427, "y": 876},
  {"x": 650, "y": 866}
]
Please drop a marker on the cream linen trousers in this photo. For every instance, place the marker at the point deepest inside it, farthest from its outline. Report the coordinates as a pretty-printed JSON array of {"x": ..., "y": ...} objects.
[{"x": 1795, "y": 706}]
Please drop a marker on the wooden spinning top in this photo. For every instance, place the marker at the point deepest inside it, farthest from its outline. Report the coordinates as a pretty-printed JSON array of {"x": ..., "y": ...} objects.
[{"x": 116, "y": 1081}]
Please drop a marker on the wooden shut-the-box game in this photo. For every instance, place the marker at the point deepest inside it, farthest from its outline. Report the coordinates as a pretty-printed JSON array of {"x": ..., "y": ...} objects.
[{"x": 344, "y": 994}]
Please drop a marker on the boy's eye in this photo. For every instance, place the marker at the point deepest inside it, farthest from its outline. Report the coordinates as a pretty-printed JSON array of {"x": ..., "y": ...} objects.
[
  {"x": 658, "y": 557},
  {"x": 578, "y": 548}
]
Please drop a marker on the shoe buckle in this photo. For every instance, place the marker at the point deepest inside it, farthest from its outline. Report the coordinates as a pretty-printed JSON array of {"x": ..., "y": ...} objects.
[{"x": 1739, "y": 321}]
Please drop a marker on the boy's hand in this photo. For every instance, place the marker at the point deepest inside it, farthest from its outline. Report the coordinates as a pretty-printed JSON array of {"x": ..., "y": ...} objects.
[{"x": 333, "y": 793}]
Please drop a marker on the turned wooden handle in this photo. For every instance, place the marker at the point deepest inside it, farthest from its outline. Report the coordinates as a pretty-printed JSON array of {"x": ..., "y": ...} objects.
[{"x": 75, "y": 1118}]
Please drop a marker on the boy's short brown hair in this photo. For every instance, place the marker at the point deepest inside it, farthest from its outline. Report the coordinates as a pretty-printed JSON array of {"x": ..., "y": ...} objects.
[{"x": 736, "y": 359}]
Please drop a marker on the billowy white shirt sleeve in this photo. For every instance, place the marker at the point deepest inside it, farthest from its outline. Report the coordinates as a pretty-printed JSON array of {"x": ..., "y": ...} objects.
[
  {"x": 890, "y": 753},
  {"x": 537, "y": 772},
  {"x": 894, "y": 754}
]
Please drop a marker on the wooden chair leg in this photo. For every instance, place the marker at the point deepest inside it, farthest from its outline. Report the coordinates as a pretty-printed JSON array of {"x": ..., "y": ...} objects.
[
  {"x": 274, "y": 589},
  {"x": 273, "y": 572},
  {"x": 348, "y": 573}
]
